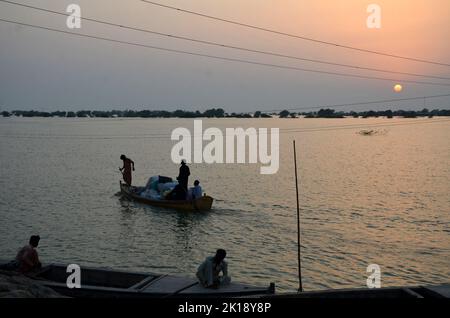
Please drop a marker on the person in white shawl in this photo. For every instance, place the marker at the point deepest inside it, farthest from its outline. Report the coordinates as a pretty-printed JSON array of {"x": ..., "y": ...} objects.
[{"x": 208, "y": 273}]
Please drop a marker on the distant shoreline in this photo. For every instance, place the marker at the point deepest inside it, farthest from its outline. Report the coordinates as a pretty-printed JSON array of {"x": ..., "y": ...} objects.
[{"x": 220, "y": 113}]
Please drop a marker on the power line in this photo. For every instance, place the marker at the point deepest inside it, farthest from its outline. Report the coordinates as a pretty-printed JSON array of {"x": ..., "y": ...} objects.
[
  {"x": 294, "y": 35},
  {"x": 282, "y": 131},
  {"x": 221, "y": 57},
  {"x": 226, "y": 45},
  {"x": 360, "y": 103}
]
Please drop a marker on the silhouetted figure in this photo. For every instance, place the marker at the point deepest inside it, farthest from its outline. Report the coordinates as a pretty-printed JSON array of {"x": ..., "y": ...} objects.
[
  {"x": 208, "y": 272},
  {"x": 178, "y": 193},
  {"x": 128, "y": 164},
  {"x": 184, "y": 174},
  {"x": 27, "y": 258}
]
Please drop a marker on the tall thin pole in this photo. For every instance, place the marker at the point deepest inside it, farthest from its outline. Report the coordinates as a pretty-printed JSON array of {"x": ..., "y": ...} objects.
[{"x": 300, "y": 287}]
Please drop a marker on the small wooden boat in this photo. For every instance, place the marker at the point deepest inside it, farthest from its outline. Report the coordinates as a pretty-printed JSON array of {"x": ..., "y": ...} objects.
[
  {"x": 200, "y": 204},
  {"x": 106, "y": 283}
]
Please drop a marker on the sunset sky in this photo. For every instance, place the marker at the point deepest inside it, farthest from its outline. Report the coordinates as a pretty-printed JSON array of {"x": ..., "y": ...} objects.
[{"x": 43, "y": 70}]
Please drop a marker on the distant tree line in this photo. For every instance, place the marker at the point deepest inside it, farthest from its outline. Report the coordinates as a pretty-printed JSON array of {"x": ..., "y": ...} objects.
[
  {"x": 331, "y": 113},
  {"x": 214, "y": 112},
  {"x": 220, "y": 113}
]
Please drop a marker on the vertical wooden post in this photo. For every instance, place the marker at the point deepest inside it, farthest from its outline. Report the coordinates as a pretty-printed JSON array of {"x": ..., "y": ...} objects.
[{"x": 300, "y": 287}]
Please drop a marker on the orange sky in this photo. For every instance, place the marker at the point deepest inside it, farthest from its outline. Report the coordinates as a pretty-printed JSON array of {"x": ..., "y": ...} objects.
[{"x": 105, "y": 74}]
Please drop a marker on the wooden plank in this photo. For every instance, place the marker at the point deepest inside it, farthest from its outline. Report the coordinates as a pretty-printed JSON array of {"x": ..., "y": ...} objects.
[
  {"x": 168, "y": 285},
  {"x": 230, "y": 288},
  {"x": 443, "y": 290},
  {"x": 144, "y": 282}
]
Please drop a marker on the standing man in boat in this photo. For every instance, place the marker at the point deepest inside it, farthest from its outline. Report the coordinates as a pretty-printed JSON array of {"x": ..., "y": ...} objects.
[
  {"x": 208, "y": 272},
  {"x": 184, "y": 174},
  {"x": 128, "y": 164}
]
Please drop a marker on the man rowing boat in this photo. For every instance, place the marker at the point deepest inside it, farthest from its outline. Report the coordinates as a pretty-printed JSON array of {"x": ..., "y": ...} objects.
[{"x": 128, "y": 164}]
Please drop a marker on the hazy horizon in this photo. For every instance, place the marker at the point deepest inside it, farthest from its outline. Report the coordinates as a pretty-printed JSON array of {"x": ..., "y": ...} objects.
[{"x": 46, "y": 71}]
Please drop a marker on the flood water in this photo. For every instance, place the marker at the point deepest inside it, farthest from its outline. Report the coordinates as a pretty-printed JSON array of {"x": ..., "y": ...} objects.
[{"x": 381, "y": 199}]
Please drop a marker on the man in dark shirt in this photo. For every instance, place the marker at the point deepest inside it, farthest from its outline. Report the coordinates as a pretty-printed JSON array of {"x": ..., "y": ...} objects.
[{"x": 184, "y": 174}]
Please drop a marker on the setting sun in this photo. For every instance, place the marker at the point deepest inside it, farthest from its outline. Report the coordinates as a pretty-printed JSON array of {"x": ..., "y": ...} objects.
[{"x": 398, "y": 88}]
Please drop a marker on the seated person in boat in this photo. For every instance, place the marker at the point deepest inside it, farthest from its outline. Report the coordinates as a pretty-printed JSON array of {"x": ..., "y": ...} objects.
[
  {"x": 178, "y": 193},
  {"x": 208, "y": 272},
  {"x": 196, "y": 191},
  {"x": 27, "y": 259}
]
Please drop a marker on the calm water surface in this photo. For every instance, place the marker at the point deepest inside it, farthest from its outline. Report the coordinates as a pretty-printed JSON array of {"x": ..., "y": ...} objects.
[{"x": 381, "y": 199}]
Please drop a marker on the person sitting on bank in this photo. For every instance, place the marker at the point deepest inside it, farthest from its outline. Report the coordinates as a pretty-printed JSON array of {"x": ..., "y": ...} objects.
[
  {"x": 208, "y": 272},
  {"x": 27, "y": 258},
  {"x": 196, "y": 191}
]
